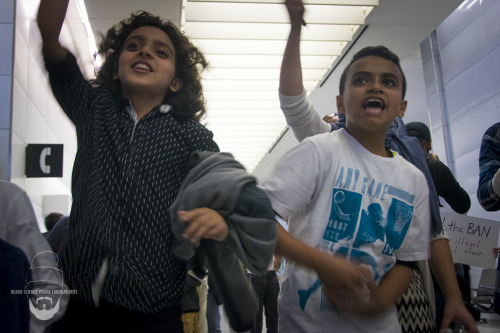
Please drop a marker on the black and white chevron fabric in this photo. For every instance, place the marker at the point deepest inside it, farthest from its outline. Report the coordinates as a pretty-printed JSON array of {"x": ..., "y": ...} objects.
[{"x": 414, "y": 311}]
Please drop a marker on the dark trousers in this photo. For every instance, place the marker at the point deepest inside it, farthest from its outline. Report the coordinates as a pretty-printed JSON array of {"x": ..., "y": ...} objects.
[
  {"x": 85, "y": 318},
  {"x": 267, "y": 288}
]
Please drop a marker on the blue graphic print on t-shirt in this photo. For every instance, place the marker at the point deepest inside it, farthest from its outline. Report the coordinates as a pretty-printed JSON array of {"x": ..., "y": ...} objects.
[
  {"x": 352, "y": 231},
  {"x": 398, "y": 222},
  {"x": 343, "y": 216}
]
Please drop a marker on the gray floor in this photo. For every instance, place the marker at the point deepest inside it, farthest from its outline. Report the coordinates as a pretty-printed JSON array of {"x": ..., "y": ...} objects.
[{"x": 490, "y": 323}]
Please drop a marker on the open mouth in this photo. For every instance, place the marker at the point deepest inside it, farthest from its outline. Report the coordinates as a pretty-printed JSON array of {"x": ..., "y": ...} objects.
[
  {"x": 142, "y": 67},
  {"x": 374, "y": 105}
]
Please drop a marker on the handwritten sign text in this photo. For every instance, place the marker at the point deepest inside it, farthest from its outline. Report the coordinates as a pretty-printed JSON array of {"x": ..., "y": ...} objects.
[{"x": 471, "y": 239}]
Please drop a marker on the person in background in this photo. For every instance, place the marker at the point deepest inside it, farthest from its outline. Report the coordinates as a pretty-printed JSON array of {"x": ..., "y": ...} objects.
[
  {"x": 58, "y": 234},
  {"x": 19, "y": 228},
  {"x": 488, "y": 192},
  {"x": 50, "y": 221},
  {"x": 305, "y": 121},
  {"x": 14, "y": 307},
  {"x": 190, "y": 301},
  {"x": 331, "y": 118},
  {"x": 267, "y": 288},
  {"x": 213, "y": 311},
  {"x": 448, "y": 188}
]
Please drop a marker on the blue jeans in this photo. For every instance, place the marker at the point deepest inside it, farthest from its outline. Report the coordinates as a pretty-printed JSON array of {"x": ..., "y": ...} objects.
[
  {"x": 213, "y": 314},
  {"x": 267, "y": 288}
]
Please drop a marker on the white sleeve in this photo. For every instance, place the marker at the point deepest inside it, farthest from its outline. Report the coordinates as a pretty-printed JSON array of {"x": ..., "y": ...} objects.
[
  {"x": 439, "y": 236},
  {"x": 301, "y": 116},
  {"x": 294, "y": 180}
]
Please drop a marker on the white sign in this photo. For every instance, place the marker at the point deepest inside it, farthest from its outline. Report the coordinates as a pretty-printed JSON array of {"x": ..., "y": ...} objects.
[{"x": 471, "y": 239}]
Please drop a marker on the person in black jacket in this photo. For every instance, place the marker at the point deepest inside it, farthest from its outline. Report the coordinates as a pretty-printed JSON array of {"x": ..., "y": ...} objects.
[
  {"x": 450, "y": 190},
  {"x": 446, "y": 185}
]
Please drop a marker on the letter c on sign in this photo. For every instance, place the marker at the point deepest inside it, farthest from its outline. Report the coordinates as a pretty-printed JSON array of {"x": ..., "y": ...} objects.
[{"x": 43, "y": 166}]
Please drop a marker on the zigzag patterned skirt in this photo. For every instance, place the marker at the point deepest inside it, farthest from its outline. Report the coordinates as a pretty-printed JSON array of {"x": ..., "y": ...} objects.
[{"x": 414, "y": 311}]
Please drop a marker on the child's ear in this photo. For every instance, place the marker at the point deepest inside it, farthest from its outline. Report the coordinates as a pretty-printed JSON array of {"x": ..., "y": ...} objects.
[
  {"x": 340, "y": 104},
  {"x": 402, "y": 109},
  {"x": 175, "y": 85}
]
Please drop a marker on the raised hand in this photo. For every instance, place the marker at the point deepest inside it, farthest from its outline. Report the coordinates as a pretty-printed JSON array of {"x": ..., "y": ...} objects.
[{"x": 296, "y": 11}]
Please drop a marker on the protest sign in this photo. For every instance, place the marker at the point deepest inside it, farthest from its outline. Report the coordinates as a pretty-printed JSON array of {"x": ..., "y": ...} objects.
[{"x": 471, "y": 239}]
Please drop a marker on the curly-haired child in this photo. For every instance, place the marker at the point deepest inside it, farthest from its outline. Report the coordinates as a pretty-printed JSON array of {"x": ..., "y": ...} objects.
[{"x": 137, "y": 123}]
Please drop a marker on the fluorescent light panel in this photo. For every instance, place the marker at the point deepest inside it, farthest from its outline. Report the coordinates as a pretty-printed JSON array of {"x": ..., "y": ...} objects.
[
  {"x": 244, "y": 41},
  {"x": 255, "y": 74},
  {"x": 266, "y": 31},
  {"x": 248, "y": 85},
  {"x": 318, "y": 2},
  {"x": 264, "y": 61},
  {"x": 265, "y": 47},
  {"x": 276, "y": 13}
]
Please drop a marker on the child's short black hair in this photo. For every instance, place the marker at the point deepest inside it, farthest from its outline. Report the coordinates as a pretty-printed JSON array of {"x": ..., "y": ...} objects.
[
  {"x": 188, "y": 102},
  {"x": 376, "y": 51}
]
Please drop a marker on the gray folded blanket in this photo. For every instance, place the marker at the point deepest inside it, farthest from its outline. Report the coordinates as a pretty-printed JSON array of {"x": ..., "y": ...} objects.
[
  {"x": 216, "y": 181},
  {"x": 219, "y": 182}
]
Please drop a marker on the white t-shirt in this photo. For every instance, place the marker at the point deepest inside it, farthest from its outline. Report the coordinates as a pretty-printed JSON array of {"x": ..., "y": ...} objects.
[{"x": 342, "y": 199}]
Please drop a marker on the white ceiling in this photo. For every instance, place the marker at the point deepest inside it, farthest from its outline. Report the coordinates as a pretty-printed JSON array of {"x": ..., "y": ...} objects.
[{"x": 244, "y": 41}]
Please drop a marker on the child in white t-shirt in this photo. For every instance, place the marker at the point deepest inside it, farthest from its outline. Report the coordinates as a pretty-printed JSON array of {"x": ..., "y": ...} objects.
[{"x": 345, "y": 196}]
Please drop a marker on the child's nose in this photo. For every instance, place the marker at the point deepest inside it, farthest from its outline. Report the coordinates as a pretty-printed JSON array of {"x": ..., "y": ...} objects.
[
  {"x": 145, "y": 52},
  {"x": 376, "y": 85}
]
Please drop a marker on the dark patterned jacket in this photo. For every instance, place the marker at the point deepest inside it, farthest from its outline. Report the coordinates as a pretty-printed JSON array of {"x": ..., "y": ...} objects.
[
  {"x": 125, "y": 176},
  {"x": 489, "y": 163}
]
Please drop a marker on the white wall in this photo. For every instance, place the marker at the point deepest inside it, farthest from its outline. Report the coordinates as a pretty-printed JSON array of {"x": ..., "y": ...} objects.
[
  {"x": 469, "y": 52},
  {"x": 469, "y": 47},
  {"x": 36, "y": 116}
]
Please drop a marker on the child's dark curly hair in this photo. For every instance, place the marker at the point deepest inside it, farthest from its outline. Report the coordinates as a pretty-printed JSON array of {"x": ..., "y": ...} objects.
[{"x": 188, "y": 102}]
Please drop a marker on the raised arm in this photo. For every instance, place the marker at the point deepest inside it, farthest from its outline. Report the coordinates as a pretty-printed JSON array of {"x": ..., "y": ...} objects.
[
  {"x": 291, "y": 68},
  {"x": 299, "y": 113},
  {"x": 50, "y": 19}
]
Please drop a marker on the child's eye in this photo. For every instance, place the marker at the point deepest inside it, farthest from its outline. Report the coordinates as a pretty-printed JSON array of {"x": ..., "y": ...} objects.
[
  {"x": 132, "y": 46},
  {"x": 360, "y": 81},
  {"x": 162, "y": 53},
  {"x": 390, "y": 83}
]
